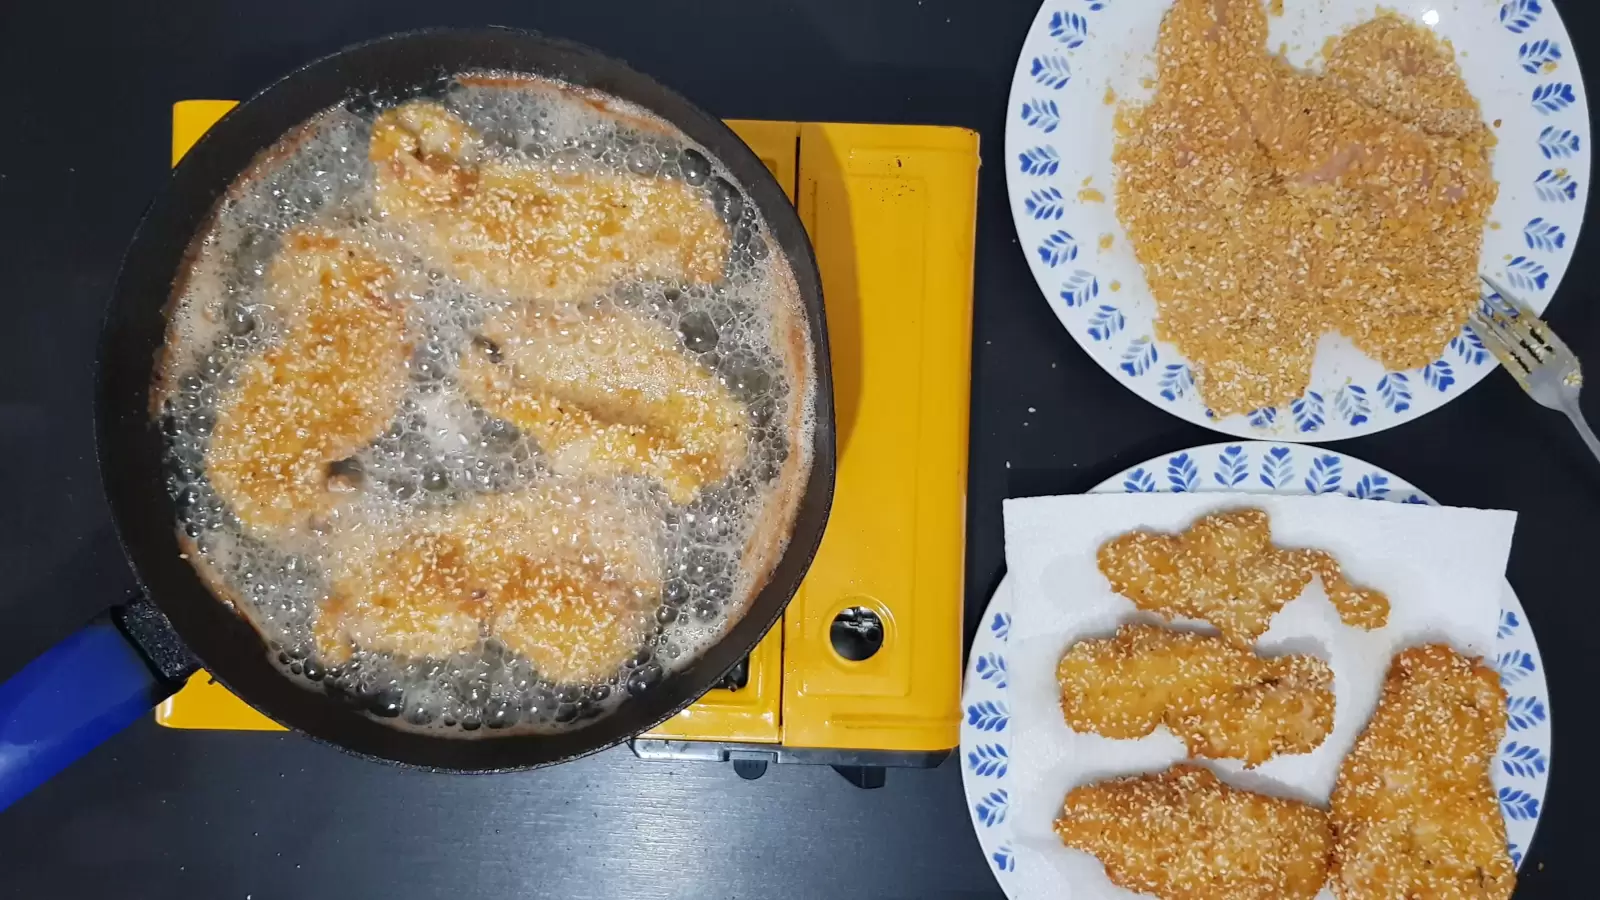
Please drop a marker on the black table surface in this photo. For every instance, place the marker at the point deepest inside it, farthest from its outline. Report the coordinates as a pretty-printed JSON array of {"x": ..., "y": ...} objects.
[{"x": 158, "y": 813}]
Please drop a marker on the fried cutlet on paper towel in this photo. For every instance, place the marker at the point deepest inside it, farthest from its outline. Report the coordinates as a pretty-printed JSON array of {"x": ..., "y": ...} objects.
[
  {"x": 1225, "y": 570},
  {"x": 1185, "y": 835},
  {"x": 1223, "y": 701},
  {"x": 1414, "y": 812}
]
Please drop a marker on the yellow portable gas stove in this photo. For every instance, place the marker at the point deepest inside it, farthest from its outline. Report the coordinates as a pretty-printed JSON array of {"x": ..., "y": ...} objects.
[{"x": 865, "y": 670}]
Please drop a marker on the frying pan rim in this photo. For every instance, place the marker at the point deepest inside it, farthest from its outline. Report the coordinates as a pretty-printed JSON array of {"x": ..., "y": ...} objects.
[{"x": 764, "y": 608}]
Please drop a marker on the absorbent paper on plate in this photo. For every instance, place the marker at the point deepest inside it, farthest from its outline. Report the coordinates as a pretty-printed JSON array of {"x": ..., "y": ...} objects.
[{"x": 1442, "y": 569}]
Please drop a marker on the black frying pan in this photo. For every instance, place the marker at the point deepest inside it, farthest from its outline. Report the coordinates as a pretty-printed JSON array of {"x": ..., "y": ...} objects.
[{"x": 102, "y": 678}]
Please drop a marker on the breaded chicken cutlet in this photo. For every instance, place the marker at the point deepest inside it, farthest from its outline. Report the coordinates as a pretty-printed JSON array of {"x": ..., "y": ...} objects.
[
  {"x": 1225, "y": 570},
  {"x": 324, "y": 391},
  {"x": 1221, "y": 700},
  {"x": 535, "y": 230},
  {"x": 562, "y": 573},
  {"x": 608, "y": 393},
  {"x": 1185, "y": 835},
  {"x": 1351, "y": 201},
  {"x": 1414, "y": 812}
]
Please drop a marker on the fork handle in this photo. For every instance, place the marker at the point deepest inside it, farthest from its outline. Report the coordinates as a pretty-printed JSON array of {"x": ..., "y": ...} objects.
[{"x": 1578, "y": 422}]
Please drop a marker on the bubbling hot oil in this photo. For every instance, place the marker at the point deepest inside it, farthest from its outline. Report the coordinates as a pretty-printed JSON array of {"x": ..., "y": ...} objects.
[{"x": 441, "y": 449}]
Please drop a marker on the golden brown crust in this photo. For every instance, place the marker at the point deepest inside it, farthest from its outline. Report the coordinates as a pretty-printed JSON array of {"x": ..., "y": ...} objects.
[
  {"x": 535, "y": 230},
  {"x": 1224, "y": 569},
  {"x": 326, "y": 390},
  {"x": 562, "y": 573},
  {"x": 1223, "y": 701},
  {"x": 1185, "y": 835},
  {"x": 606, "y": 392},
  {"x": 1414, "y": 811},
  {"x": 165, "y": 374}
]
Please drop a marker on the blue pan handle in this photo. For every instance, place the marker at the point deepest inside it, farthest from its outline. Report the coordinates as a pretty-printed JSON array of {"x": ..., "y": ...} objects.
[{"x": 82, "y": 691}]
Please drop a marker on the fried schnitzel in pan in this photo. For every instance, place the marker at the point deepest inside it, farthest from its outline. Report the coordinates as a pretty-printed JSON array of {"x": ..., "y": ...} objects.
[
  {"x": 540, "y": 230},
  {"x": 562, "y": 573},
  {"x": 1414, "y": 812},
  {"x": 1185, "y": 835},
  {"x": 1223, "y": 701},
  {"x": 608, "y": 393},
  {"x": 326, "y": 390}
]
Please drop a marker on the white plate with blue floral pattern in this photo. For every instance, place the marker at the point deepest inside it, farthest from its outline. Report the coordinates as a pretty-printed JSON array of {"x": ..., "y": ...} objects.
[
  {"x": 1521, "y": 770},
  {"x": 1517, "y": 60}
]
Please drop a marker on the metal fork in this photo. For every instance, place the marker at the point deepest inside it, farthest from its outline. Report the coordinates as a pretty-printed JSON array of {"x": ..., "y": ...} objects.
[{"x": 1541, "y": 362}]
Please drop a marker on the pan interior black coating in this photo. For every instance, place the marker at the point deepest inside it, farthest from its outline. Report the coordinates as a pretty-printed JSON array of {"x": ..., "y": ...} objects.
[{"x": 131, "y": 446}]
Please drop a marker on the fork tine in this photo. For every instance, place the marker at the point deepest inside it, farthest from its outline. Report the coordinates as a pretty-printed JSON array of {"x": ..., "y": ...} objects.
[
  {"x": 1504, "y": 345},
  {"x": 1525, "y": 326},
  {"x": 1504, "y": 293}
]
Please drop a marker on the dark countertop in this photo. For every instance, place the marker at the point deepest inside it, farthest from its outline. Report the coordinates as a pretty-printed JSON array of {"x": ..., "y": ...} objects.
[{"x": 157, "y": 813}]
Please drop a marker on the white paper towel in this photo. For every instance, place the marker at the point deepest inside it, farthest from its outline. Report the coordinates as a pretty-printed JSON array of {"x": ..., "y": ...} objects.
[{"x": 1442, "y": 569}]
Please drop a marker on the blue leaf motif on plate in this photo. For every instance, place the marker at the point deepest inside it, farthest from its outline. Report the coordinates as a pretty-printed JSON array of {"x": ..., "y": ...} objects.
[
  {"x": 1371, "y": 487},
  {"x": 1097, "y": 5},
  {"x": 1263, "y": 417},
  {"x": 1519, "y": 805},
  {"x": 1417, "y": 500},
  {"x": 1182, "y": 473},
  {"x": 1277, "y": 469},
  {"x": 1518, "y": 15},
  {"x": 1326, "y": 472},
  {"x": 1070, "y": 29},
  {"x": 1553, "y": 97},
  {"x": 1555, "y": 186},
  {"x": 1176, "y": 379},
  {"x": 1439, "y": 376},
  {"x": 1523, "y": 713},
  {"x": 988, "y": 715},
  {"x": 1307, "y": 412},
  {"x": 1080, "y": 287},
  {"x": 1044, "y": 204},
  {"x": 1054, "y": 71},
  {"x": 1509, "y": 623},
  {"x": 1040, "y": 160},
  {"x": 1233, "y": 467},
  {"x": 1395, "y": 389},
  {"x": 992, "y": 667},
  {"x": 1513, "y": 849},
  {"x": 1523, "y": 760},
  {"x": 1005, "y": 860},
  {"x": 1469, "y": 346},
  {"x": 991, "y": 808},
  {"x": 1526, "y": 274},
  {"x": 1559, "y": 143},
  {"x": 1514, "y": 665},
  {"x": 989, "y": 759},
  {"x": 1352, "y": 404},
  {"x": 1041, "y": 114},
  {"x": 1058, "y": 247},
  {"x": 1536, "y": 55},
  {"x": 1139, "y": 357},
  {"x": 1139, "y": 482},
  {"x": 1001, "y": 626},
  {"x": 1106, "y": 321},
  {"x": 1543, "y": 235}
]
